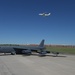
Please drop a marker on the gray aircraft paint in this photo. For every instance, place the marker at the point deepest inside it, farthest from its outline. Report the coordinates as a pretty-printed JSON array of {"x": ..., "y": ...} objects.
[{"x": 22, "y": 49}]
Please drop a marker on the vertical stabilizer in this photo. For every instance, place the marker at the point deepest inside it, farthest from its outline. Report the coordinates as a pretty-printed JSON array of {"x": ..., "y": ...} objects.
[{"x": 42, "y": 43}]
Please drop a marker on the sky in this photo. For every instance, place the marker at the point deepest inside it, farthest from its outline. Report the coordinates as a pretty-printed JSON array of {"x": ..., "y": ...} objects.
[{"x": 20, "y": 22}]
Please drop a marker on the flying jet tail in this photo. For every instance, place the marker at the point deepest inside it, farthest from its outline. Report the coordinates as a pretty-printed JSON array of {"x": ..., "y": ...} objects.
[{"x": 49, "y": 13}]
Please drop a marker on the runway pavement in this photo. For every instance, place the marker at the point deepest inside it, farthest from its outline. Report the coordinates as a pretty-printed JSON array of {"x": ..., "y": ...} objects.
[{"x": 35, "y": 65}]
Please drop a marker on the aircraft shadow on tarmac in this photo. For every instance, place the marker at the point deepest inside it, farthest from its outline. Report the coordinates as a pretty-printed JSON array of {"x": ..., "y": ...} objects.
[
  {"x": 44, "y": 55},
  {"x": 34, "y": 54}
]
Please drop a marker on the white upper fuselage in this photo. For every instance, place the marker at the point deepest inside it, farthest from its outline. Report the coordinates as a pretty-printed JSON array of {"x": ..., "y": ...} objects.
[{"x": 44, "y": 14}]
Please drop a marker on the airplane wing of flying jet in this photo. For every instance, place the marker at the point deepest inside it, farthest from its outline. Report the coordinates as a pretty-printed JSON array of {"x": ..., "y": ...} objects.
[
  {"x": 23, "y": 49},
  {"x": 45, "y": 14}
]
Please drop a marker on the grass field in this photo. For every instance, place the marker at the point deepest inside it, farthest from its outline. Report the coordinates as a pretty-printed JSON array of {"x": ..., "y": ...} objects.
[{"x": 66, "y": 50}]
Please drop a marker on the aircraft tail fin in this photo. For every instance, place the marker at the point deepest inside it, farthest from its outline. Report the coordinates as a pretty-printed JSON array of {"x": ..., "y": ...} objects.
[
  {"x": 49, "y": 13},
  {"x": 41, "y": 43}
]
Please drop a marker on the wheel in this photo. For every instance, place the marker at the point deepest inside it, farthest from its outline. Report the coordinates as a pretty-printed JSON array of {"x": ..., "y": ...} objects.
[{"x": 13, "y": 53}]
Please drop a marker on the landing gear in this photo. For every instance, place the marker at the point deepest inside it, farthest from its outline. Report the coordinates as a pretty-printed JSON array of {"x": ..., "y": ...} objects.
[
  {"x": 13, "y": 53},
  {"x": 43, "y": 53},
  {"x": 56, "y": 54}
]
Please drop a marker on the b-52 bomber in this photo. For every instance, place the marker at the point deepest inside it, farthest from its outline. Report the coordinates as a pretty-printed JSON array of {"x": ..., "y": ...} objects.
[
  {"x": 28, "y": 50},
  {"x": 24, "y": 49}
]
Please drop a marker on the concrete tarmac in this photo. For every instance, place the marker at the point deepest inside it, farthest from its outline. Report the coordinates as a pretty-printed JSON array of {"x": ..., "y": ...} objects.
[{"x": 35, "y": 65}]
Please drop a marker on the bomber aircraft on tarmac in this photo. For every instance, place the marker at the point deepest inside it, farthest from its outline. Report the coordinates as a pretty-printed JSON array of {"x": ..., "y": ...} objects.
[
  {"x": 24, "y": 49},
  {"x": 41, "y": 49},
  {"x": 45, "y": 14}
]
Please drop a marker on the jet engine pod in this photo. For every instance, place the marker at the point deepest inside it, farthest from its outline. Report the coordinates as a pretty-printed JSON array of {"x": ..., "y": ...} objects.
[
  {"x": 48, "y": 51},
  {"x": 42, "y": 53},
  {"x": 28, "y": 51}
]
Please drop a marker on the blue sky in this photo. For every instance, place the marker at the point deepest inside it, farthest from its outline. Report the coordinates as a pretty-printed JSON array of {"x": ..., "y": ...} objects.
[{"x": 21, "y": 24}]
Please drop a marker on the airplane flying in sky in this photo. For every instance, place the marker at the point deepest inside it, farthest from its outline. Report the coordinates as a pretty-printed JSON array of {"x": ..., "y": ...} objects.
[
  {"x": 45, "y": 14},
  {"x": 24, "y": 49}
]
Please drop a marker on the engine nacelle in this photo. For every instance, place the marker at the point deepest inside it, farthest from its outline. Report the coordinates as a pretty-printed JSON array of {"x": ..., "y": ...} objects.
[
  {"x": 48, "y": 51},
  {"x": 26, "y": 51},
  {"x": 42, "y": 53}
]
